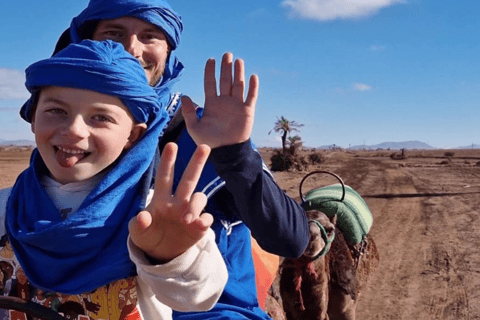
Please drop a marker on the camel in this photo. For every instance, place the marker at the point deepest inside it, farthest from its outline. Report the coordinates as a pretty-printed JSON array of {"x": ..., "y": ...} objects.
[{"x": 325, "y": 285}]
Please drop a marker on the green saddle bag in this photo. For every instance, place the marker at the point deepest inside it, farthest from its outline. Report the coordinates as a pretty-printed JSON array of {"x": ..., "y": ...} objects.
[{"x": 354, "y": 218}]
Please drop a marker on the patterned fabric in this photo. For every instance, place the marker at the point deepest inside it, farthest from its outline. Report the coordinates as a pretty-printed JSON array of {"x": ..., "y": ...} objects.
[
  {"x": 115, "y": 301},
  {"x": 353, "y": 215}
]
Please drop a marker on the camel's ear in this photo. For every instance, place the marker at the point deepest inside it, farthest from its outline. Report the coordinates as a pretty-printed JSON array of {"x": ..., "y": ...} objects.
[{"x": 334, "y": 220}]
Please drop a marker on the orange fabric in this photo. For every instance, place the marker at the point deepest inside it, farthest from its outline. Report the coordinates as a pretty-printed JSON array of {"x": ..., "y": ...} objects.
[{"x": 266, "y": 266}]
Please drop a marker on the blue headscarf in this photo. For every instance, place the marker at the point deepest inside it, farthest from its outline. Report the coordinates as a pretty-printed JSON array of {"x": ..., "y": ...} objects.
[
  {"x": 157, "y": 12},
  {"x": 87, "y": 249}
]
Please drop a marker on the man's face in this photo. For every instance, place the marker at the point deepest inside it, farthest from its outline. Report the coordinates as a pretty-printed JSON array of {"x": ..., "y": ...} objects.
[
  {"x": 79, "y": 133},
  {"x": 141, "y": 39}
]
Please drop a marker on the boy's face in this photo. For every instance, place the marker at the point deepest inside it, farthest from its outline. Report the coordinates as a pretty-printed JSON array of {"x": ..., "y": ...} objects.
[
  {"x": 141, "y": 39},
  {"x": 79, "y": 132}
]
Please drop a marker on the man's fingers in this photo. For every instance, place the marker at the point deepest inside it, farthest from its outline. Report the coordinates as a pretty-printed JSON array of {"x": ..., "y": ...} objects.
[
  {"x": 226, "y": 74},
  {"x": 209, "y": 81},
  {"x": 192, "y": 173},
  {"x": 238, "y": 88},
  {"x": 188, "y": 112},
  {"x": 252, "y": 92}
]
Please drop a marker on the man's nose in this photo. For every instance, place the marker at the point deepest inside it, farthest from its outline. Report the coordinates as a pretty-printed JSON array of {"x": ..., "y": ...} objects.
[{"x": 133, "y": 46}]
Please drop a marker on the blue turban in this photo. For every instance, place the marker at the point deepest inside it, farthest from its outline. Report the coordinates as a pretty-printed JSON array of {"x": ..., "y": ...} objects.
[
  {"x": 157, "y": 12},
  {"x": 103, "y": 67},
  {"x": 88, "y": 249}
]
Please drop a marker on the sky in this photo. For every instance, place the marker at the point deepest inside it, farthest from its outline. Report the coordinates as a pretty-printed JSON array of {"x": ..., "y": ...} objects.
[{"x": 352, "y": 72}]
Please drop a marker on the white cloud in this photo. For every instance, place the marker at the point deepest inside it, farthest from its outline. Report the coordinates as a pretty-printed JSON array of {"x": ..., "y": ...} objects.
[
  {"x": 12, "y": 85},
  {"x": 362, "y": 87},
  {"x": 325, "y": 10}
]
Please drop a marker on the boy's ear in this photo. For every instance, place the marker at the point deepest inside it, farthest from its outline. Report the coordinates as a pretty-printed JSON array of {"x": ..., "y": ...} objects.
[
  {"x": 137, "y": 132},
  {"x": 32, "y": 125}
]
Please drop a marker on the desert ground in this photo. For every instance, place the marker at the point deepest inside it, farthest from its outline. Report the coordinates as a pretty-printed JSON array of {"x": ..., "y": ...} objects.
[{"x": 426, "y": 226}]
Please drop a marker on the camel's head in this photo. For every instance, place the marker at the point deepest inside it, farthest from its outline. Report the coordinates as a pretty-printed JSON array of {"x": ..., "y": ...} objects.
[{"x": 319, "y": 238}]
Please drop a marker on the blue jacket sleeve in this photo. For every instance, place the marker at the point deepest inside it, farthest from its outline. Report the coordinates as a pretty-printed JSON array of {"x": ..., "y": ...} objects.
[{"x": 277, "y": 222}]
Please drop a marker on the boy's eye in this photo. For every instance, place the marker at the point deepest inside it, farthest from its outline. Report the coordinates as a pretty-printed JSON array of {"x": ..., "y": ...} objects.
[
  {"x": 102, "y": 118},
  {"x": 56, "y": 111}
]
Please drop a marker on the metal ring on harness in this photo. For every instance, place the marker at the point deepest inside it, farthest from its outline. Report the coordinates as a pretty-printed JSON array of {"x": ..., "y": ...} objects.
[
  {"x": 325, "y": 238},
  {"x": 321, "y": 171}
]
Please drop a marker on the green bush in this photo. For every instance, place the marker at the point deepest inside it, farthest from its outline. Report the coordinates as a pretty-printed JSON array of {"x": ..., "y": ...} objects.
[
  {"x": 298, "y": 161},
  {"x": 316, "y": 158}
]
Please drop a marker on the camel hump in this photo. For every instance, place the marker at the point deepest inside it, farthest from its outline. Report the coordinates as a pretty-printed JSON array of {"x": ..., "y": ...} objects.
[{"x": 354, "y": 218}]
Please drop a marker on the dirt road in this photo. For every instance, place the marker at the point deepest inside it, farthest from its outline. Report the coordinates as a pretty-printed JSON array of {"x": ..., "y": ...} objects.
[
  {"x": 428, "y": 235},
  {"x": 428, "y": 245}
]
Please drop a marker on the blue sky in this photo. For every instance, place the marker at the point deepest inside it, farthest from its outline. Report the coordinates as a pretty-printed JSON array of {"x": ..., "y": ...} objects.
[{"x": 352, "y": 72}]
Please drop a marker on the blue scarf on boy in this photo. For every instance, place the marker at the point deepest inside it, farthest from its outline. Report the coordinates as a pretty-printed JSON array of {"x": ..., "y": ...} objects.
[{"x": 87, "y": 249}]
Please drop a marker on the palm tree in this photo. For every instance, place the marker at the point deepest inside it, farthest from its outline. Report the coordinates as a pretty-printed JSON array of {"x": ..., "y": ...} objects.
[
  {"x": 294, "y": 142},
  {"x": 285, "y": 126}
]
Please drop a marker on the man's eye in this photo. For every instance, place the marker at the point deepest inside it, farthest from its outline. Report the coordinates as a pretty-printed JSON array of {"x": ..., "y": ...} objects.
[{"x": 112, "y": 34}]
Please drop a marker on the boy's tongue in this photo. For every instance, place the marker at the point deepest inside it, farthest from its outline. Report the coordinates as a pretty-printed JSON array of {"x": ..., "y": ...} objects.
[{"x": 68, "y": 160}]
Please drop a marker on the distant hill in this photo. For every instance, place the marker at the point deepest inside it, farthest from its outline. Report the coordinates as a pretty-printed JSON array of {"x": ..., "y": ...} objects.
[
  {"x": 409, "y": 145},
  {"x": 19, "y": 143}
]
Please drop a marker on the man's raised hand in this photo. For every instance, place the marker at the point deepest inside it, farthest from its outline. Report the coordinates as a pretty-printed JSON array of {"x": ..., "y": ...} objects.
[{"x": 227, "y": 117}]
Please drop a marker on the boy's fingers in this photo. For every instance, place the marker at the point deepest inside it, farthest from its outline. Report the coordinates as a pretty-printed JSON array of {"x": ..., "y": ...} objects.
[
  {"x": 205, "y": 220},
  {"x": 226, "y": 74},
  {"x": 238, "y": 88},
  {"x": 192, "y": 173},
  {"x": 164, "y": 177},
  {"x": 209, "y": 81},
  {"x": 198, "y": 201},
  {"x": 138, "y": 224}
]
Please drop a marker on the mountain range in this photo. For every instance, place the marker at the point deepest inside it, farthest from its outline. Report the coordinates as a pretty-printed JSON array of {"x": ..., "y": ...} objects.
[
  {"x": 19, "y": 143},
  {"x": 408, "y": 145}
]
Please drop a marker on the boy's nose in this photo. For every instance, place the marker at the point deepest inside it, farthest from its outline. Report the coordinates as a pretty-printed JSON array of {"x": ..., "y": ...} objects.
[{"x": 77, "y": 128}]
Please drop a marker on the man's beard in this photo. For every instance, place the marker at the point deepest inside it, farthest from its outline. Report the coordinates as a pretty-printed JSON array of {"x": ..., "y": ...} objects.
[{"x": 155, "y": 78}]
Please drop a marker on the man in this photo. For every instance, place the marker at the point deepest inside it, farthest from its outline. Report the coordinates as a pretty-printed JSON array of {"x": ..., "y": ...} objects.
[{"x": 243, "y": 197}]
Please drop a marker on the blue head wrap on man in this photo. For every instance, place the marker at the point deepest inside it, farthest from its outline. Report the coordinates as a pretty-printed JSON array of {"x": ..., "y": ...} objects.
[{"x": 156, "y": 12}]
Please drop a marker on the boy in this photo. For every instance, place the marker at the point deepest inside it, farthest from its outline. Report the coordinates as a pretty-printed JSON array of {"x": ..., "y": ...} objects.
[{"x": 96, "y": 123}]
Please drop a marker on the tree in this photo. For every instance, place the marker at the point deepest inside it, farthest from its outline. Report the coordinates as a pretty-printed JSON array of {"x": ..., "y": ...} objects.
[
  {"x": 294, "y": 142},
  {"x": 285, "y": 126}
]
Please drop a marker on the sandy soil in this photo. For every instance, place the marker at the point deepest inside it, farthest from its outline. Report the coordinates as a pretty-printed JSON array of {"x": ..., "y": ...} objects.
[{"x": 426, "y": 227}]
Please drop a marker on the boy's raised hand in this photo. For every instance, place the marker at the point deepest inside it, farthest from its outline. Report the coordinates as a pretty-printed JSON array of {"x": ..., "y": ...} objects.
[
  {"x": 171, "y": 224},
  {"x": 227, "y": 117}
]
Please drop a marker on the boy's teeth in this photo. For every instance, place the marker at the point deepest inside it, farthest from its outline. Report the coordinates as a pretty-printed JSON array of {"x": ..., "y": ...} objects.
[
  {"x": 68, "y": 157},
  {"x": 71, "y": 150}
]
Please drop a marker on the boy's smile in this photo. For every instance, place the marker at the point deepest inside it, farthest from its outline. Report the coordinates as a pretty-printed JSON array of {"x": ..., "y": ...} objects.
[
  {"x": 68, "y": 157},
  {"x": 79, "y": 133}
]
